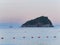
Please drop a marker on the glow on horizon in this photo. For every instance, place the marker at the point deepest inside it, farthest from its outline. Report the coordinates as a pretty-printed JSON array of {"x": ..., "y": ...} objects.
[{"x": 19, "y": 11}]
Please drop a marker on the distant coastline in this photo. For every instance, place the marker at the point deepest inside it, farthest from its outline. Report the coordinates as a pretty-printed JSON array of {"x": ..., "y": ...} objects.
[{"x": 17, "y": 26}]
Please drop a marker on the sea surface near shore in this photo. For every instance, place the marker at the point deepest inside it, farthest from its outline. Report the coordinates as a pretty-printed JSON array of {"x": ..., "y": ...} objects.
[{"x": 30, "y": 36}]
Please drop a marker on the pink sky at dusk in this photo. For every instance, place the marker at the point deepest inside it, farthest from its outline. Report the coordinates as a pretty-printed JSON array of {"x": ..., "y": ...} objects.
[{"x": 19, "y": 11}]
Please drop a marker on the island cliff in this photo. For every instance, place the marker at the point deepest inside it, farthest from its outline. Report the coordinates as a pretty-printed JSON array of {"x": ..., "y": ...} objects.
[{"x": 38, "y": 22}]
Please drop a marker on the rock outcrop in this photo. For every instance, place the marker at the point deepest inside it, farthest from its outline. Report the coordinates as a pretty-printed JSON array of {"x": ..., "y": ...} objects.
[{"x": 38, "y": 22}]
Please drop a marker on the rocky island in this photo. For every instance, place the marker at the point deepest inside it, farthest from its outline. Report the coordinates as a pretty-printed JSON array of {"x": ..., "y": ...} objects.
[{"x": 42, "y": 21}]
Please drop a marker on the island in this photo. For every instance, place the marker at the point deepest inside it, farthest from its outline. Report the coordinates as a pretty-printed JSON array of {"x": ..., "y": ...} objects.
[{"x": 41, "y": 21}]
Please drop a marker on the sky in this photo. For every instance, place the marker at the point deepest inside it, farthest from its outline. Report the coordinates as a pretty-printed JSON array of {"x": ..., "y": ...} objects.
[{"x": 20, "y": 11}]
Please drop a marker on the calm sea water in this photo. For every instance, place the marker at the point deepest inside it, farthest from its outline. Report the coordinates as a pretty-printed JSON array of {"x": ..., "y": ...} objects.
[{"x": 30, "y": 36}]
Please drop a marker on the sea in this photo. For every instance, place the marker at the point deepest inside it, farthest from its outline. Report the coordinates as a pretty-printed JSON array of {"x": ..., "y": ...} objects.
[{"x": 30, "y": 36}]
